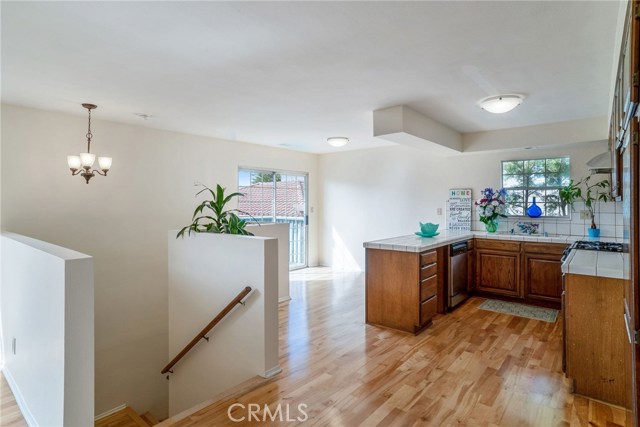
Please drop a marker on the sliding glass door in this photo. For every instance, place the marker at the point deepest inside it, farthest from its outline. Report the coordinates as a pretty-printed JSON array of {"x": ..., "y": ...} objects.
[{"x": 273, "y": 196}]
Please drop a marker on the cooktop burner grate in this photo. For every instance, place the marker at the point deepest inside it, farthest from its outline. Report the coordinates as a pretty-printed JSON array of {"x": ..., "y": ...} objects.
[{"x": 587, "y": 245}]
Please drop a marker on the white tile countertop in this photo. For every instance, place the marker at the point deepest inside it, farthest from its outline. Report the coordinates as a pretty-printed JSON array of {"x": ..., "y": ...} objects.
[
  {"x": 595, "y": 263},
  {"x": 592, "y": 263},
  {"x": 414, "y": 243}
]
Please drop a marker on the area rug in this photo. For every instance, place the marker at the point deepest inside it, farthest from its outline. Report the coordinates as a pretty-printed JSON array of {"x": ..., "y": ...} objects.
[{"x": 537, "y": 313}]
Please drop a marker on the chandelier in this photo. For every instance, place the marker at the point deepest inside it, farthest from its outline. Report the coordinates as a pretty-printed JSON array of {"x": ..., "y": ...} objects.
[{"x": 83, "y": 163}]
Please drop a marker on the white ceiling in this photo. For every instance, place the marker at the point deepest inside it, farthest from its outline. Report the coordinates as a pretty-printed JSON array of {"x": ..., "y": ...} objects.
[{"x": 294, "y": 73}]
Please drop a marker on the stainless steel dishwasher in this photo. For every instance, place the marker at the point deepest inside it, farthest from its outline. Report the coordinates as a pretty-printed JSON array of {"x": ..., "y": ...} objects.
[{"x": 457, "y": 274}]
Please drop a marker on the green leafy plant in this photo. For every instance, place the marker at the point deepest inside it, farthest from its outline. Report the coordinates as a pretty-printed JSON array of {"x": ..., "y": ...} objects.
[
  {"x": 569, "y": 194},
  {"x": 220, "y": 220},
  {"x": 589, "y": 193},
  {"x": 597, "y": 192}
]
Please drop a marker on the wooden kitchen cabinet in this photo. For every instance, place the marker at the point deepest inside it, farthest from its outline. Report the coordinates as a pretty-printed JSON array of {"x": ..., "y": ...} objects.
[
  {"x": 402, "y": 288},
  {"x": 498, "y": 267},
  {"x": 529, "y": 272},
  {"x": 626, "y": 96},
  {"x": 542, "y": 271},
  {"x": 596, "y": 337}
]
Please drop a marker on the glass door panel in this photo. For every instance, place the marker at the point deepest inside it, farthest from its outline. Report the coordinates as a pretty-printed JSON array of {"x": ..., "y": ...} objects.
[{"x": 277, "y": 197}]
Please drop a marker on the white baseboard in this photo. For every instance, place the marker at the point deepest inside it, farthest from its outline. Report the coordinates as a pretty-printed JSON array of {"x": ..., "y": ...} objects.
[
  {"x": 284, "y": 299},
  {"x": 22, "y": 404},
  {"x": 110, "y": 412},
  {"x": 272, "y": 372}
]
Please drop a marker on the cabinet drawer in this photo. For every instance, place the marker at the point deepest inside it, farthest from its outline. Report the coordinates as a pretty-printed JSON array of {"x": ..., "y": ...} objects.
[
  {"x": 427, "y": 271},
  {"x": 500, "y": 245},
  {"x": 427, "y": 258},
  {"x": 470, "y": 244},
  {"x": 545, "y": 248},
  {"x": 428, "y": 309},
  {"x": 428, "y": 288}
]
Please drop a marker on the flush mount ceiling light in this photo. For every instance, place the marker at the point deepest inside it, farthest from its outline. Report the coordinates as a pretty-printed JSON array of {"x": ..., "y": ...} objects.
[
  {"x": 337, "y": 141},
  {"x": 83, "y": 163},
  {"x": 501, "y": 103}
]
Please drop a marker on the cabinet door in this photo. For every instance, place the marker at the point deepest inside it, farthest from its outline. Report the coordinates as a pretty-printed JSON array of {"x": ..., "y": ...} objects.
[
  {"x": 498, "y": 273},
  {"x": 542, "y": 277}
]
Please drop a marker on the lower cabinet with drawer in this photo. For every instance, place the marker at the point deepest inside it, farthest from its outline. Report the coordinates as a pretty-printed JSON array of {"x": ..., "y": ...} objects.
[{"x": 402, "y": 288}]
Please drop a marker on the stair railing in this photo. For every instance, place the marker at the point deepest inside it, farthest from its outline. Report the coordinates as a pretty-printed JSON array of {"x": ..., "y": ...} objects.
[{"x": 203, "y": 333}]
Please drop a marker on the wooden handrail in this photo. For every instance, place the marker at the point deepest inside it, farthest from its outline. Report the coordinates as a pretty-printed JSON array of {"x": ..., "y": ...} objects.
[{"x": 202, "y": 334}]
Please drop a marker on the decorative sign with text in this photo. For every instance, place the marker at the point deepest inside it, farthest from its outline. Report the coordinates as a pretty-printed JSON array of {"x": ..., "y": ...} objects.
[{"x": 459, "y": 209}]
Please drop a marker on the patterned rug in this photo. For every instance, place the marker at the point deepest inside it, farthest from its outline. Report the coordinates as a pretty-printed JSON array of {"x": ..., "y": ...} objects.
[{"x": 537, "y": 313}]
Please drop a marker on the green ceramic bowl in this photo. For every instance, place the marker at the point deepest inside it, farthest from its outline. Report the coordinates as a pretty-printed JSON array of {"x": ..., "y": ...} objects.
[{"x": 429, "y": 228}]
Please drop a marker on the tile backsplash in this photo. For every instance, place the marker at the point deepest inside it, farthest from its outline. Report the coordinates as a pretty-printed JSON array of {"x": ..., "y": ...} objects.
[{"x": 608, "y": 219}]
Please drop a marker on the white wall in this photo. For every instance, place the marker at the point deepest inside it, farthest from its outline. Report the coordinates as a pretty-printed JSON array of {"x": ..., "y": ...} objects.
[
  {"x": 121, "y": 221},
  {"x": 543, "y": 136},
  {"x": 385, "y": 192},
  {"x": 206, "y": 271},
  {"x": 281, "y": 232},
  {"x": 47, "y": 307}
]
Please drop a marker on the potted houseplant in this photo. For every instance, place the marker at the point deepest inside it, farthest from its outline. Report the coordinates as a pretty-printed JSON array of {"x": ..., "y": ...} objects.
[
  {"x": 590, "y": 193},
  {"x": 220, "y": 219},
  {"x": 568, "y": 195},
  {"x": 491, "y": 207}
]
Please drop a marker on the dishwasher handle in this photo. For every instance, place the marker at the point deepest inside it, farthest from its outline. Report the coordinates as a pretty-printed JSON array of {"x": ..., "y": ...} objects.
[{"x": 458, "y": 249}]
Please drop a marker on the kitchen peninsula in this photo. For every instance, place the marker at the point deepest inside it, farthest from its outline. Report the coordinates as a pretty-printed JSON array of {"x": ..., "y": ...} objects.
[
  {"x": 595, "y": 335},
  {"x": 407, "y": 276}
]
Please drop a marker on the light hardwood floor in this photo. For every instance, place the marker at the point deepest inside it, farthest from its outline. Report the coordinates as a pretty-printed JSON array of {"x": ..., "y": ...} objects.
[
  {"x": 471, "y": 368},
  {"x": 10, "y": 414}
]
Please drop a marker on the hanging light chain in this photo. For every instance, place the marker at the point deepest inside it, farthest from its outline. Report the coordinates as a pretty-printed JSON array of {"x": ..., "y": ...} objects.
[{"x": 89, "y": 134}]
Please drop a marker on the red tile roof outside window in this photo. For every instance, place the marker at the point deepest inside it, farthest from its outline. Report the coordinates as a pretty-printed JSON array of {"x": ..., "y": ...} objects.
[{"x": 258, "y": 199}]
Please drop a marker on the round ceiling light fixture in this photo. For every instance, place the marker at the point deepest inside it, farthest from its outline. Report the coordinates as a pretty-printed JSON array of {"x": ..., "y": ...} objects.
[
  {"x": 337, "y": 141},
  {"x": 501, "y": 103}
]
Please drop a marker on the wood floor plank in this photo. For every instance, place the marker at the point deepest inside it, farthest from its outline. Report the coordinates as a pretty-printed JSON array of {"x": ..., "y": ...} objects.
[
  {"x": 10, "y": 414},
  {"x": 126, "y": 417},
  {"x": 470, "y": 368}
]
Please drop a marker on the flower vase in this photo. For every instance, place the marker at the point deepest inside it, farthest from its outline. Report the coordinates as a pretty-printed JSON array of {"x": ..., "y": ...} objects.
[
  {"x": 491, "y": 225},
  {"x": 534, "y": 210}
]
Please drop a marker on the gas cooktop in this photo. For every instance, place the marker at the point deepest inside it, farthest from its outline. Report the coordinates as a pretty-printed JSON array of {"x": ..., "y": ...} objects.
[{"x": 588, "y": 245}]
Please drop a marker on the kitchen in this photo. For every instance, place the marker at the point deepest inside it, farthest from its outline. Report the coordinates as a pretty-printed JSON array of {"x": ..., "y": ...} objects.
[{"x": 533, "y": 259}]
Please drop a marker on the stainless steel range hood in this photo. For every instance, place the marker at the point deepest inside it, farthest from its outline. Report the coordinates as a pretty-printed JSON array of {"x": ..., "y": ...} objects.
[{"x": 600, "y": 163}]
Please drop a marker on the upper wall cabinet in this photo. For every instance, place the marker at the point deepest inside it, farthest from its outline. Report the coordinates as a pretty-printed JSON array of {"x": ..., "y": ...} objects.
[{"x": 625, "y": 97}]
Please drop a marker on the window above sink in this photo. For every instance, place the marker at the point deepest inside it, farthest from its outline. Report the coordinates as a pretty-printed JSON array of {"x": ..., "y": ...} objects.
[{"x": 539, "y": 178}]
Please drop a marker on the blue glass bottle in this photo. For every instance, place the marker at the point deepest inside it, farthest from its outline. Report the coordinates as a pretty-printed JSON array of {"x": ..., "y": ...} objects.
[{"x": 534, "y": 210}]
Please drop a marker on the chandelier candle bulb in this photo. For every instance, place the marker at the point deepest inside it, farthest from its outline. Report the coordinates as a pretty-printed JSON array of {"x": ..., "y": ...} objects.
[
  {"x": 105, "y": 163},
  {"x": 74, "y": 162},
  {"x": 87, "y": 160}
]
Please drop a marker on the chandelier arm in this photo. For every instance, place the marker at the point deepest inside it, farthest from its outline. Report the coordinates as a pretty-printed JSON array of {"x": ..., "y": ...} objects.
[{"x": 100, "y": 173}]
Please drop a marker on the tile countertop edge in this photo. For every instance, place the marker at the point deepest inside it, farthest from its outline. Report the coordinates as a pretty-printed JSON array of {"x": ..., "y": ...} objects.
[
  {"x": 413, "y": 243},
  {"x": 594, "y": 263},
  {"x": 586, "y": 263}
]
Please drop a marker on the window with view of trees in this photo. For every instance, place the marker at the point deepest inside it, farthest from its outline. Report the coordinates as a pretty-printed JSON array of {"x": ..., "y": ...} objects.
[{"x": 539, "y": 178}]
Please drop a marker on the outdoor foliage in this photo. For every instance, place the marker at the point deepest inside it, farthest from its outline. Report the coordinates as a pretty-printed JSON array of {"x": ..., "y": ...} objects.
[
  {"x": 539, "y": 178},
  {"x": 265, "y": 177}
]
